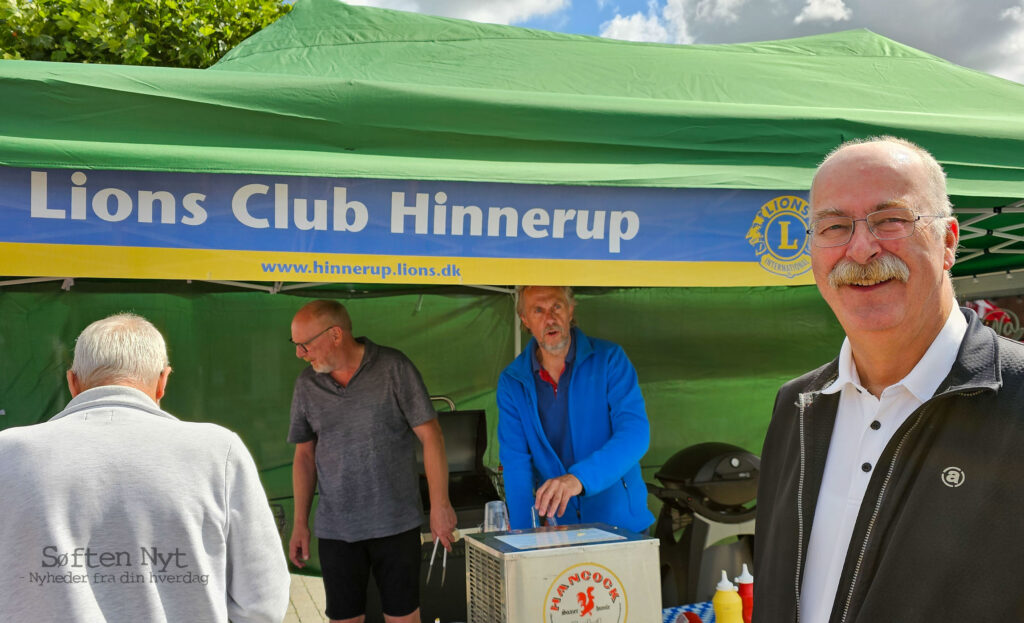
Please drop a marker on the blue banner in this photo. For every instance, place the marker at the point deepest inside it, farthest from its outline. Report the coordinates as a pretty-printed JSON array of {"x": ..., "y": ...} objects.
[{"x": 335, "y": 219}]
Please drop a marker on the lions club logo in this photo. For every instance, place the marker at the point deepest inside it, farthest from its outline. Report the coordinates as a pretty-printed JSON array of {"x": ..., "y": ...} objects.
[
  {"x": 779, "y": 236},
  {"x": 585, "y": 593}
]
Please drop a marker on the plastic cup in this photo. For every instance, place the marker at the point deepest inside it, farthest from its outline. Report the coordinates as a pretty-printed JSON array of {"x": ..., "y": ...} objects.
[{"x": 495, "y": 517}]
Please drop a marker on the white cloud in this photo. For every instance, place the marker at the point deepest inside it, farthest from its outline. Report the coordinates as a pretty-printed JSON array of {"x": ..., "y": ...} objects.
[
  {"x": 726, "y": 11},
  {"x": 490, "y": 11},
  {"x": 1014, "y": 13},
  {"x": 635, "y": 27},
  {"x": 823, "y": 10},
  {"x": 1010, "y": 71},
  {"x": 675, "y": 20},
  {"x": 1012, "y": 45},
  {"x": 667, "y": 25},
  {"x": 983, "y": 34}
]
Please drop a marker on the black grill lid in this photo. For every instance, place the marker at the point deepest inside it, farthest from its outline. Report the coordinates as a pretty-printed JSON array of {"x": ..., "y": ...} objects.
[{"x": 724, "y": 474}]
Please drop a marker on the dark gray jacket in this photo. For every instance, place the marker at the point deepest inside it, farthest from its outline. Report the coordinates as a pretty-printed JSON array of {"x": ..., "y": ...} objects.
[{"x": 923, "y": 547}]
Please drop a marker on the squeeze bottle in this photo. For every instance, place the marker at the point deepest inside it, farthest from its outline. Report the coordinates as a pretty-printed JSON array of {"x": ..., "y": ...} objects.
[
  {"x": 727, "y": 603},
  {"x": 746, "y": 590}
]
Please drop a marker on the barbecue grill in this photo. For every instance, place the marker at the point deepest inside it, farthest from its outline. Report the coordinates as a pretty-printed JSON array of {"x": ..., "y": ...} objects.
[{"x": 707, "y": 493}]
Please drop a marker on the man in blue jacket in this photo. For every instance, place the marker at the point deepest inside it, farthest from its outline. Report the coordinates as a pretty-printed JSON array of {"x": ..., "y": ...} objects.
[{"x": 572, "y": 425}]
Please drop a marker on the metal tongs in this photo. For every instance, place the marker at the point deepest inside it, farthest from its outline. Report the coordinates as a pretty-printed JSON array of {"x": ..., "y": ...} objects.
[{"x": 444, "y": 562}]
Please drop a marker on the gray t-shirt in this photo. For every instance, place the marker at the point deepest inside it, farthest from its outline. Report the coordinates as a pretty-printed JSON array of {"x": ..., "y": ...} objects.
[{"x": 365, "y": 451}]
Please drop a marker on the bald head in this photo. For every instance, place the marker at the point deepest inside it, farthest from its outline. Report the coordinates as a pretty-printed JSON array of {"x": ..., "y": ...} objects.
[
  {"x": 326, "y": 312},
  {"x": 897, "y": 154}
]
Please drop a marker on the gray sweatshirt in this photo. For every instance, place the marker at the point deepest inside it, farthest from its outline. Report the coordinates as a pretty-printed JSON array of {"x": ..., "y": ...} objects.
[{"x": 117, "y": 511}]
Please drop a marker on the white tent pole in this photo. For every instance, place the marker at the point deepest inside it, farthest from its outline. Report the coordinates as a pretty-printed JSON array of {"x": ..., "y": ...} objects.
[
  {"x": 515, "y": 324},
  {"x": 492, "y": 288},
  {"x": 516, "y": 333},
  {"x": 240, "y": 284},
  {"x": 15, "y": 282}
]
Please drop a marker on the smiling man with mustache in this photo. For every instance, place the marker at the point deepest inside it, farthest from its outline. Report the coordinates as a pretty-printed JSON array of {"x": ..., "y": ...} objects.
[
  {"x": 572, "y": 426},
  {"x": 886, "y": 472}
]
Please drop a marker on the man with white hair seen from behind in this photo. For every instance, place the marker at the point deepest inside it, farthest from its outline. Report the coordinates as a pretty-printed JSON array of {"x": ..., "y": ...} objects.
[{"x": 118, "y": 511}]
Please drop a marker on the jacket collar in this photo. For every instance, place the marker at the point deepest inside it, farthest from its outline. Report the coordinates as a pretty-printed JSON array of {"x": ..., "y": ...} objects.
[
  {"x": 521, "y": 367},
  {"x": 112, "y": 396},
  {"x": 976, "y": 365}
]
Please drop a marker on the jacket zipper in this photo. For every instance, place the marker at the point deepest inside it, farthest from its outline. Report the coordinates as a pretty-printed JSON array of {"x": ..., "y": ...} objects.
[
  {"x": 874, "y": 512},
  {"x": 878, "y": 503},
  {"x": 805, "y": 399}
]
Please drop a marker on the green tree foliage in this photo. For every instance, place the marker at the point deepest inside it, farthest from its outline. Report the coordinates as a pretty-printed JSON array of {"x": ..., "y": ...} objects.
[{"x": 170, "y": 33}]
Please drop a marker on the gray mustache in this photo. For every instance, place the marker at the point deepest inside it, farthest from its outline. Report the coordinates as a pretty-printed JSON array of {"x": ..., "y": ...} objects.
[{"x": 848, "y": 272}]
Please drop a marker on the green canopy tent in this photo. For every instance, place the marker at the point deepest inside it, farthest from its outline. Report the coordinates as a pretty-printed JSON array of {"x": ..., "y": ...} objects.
[{"x": 123, "y": 178}]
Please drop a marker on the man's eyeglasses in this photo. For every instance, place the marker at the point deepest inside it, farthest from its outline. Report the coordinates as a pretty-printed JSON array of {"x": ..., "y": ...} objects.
[
  {"x": 304, "y": 346},
  {"x": 891, "y": 224}
]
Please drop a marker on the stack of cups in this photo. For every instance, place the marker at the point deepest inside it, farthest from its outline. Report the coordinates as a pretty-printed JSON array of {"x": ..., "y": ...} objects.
[{"x": 495, "y": 517}]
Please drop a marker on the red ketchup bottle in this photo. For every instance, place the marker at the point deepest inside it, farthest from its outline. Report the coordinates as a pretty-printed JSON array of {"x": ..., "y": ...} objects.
[{"x": 745, "y": 586}]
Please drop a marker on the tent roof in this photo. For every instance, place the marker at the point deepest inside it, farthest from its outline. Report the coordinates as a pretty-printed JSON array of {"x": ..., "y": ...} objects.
[
  {"x": 399, "y": 47},
  {"x": 339, "y": 91}
]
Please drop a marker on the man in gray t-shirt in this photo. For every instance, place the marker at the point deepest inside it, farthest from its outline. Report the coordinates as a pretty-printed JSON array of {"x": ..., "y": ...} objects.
[{"x": 356, "y": 415}]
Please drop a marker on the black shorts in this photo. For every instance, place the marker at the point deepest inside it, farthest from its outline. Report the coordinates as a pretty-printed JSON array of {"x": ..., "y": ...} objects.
[{"x": 394, "y": 562}]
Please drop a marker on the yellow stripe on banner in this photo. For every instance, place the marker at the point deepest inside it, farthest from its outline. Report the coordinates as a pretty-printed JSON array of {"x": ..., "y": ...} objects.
[{"x": 56, "y": 260}]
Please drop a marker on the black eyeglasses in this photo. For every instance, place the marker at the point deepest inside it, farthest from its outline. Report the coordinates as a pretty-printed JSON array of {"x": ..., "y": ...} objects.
[
  {"x": 892, "y": 224},
  {"x": 304, "y": 346}
]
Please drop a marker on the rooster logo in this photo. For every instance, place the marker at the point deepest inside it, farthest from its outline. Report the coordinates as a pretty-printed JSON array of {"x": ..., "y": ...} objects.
[
  {"x": 585, "y": 592},
  {"x": 586, "y": 601}
]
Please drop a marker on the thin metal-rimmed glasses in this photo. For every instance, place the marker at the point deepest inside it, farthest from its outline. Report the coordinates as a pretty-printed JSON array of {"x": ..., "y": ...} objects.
[
  {"x": 304, "y": 346},
  {"x": 889, "y": 224}
]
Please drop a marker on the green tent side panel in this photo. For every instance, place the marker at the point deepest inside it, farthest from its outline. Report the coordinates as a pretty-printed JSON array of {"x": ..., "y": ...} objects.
[
  {"x": 233, "y": 363},
  {"x": 709, "y": 372}
]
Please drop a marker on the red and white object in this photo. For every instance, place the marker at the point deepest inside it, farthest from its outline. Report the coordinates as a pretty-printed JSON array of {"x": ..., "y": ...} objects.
[{"x": 745, "y": 586}]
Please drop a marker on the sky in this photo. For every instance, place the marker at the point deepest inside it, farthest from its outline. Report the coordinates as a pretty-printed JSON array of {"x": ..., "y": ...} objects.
[{"x": 987, "y": 35}]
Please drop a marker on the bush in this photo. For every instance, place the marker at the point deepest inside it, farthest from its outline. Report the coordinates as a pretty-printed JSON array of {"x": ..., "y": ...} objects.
[{"x": 169, "y": 33}]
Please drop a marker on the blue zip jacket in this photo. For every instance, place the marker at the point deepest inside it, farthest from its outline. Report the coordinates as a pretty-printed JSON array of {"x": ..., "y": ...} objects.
[{"x": 609, "y": 429}]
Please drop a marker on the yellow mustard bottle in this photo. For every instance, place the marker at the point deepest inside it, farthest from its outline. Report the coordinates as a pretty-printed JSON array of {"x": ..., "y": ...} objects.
[{"x": 727, "y": 602}]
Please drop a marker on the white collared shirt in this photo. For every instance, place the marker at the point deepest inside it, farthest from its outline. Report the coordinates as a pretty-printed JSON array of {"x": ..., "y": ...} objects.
[{"x": 864, "y": 425}]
